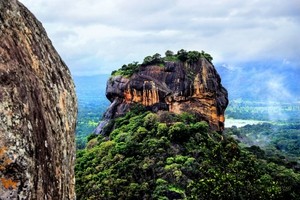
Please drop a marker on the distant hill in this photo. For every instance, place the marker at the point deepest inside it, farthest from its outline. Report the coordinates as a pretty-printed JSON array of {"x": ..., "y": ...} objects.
[{"x": 265, "y": 81}]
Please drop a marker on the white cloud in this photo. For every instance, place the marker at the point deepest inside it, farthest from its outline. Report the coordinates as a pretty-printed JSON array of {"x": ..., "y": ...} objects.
[{"x": 98, "y": 36}]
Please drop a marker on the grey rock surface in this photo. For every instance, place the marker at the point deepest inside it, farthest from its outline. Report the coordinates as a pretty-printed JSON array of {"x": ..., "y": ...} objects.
[{"x": 38, "y": 111}]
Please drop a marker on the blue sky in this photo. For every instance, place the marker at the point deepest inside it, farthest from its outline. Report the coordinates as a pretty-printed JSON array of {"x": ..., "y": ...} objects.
[{"x": 98, "y": 36}]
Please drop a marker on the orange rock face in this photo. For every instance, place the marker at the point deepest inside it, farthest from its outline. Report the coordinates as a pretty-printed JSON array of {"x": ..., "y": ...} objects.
[
  {"x": 147, "y": 97},
  {"x": 177, "y": 87}
]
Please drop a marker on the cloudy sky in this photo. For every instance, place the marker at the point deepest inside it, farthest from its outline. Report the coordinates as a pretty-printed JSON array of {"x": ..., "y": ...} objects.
[{"x": 98, "y": 36}]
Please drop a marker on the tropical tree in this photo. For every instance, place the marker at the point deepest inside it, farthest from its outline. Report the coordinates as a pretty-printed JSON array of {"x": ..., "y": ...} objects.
[
  {"x": 182, "y": 55},
  {"x": 169, "y": 53}
]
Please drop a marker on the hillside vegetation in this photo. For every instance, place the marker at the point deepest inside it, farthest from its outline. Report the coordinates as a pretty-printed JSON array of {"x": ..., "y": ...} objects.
[
  {"x": 167, "y": 156},
  {"x": 181, "y": 55},
  {"x": 279, "y": 143}
]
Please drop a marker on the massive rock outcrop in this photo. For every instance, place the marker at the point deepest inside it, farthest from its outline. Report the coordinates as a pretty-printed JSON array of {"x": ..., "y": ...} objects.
[
  {"x": 38, "y": 111},
  {"x": 177, "y": 87}
]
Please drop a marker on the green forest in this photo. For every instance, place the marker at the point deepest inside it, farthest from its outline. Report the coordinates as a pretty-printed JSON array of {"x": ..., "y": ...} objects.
[
  {"x": 280, "y": 142},
  {"x": 146, "y": 155},
  {"x": 167, "y": 156}
]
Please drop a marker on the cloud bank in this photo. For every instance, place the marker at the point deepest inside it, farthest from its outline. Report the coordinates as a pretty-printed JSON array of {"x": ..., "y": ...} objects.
[{"x": 96, "y": 37}]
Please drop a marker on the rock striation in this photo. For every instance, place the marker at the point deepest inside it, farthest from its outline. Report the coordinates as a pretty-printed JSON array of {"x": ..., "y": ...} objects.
[
  {"x": 176, "y": 87},
  {"x": 38, "y": 111}
]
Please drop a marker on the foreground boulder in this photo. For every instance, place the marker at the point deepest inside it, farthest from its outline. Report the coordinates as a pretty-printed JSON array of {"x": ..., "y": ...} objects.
[{"x": 38, "y": 111}]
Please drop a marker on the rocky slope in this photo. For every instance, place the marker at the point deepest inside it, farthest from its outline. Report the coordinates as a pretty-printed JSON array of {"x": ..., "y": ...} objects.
[
  {"x": 38, "y": 111},
  {"x": 177, "y": 87}
]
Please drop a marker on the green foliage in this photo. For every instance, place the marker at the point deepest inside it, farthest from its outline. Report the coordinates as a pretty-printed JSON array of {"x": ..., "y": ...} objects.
[
  {"x": 199, "y": 127},
  {"x": 148, "y": 60},
  {"x": 162, "y": 129},
  {"x": 169, "y": 53},
  {"x": 178, "y": 132},
  {"x": 182, "y": 55},
  {"x": 150, "y": 120},
  {"x": 193, "y": 56},
  {"x": 127, "y": 70},
  {"x": 279, "y": 143},
  {"x": 156, "y": 59},
  {"x": 152, "y": 60},
  {"x": 207, "y": 56},
  {"x": 137, "y": 109},
  {"x": 188, "y": 118},
  {"x": 167, "y": 117},
  {"x": 147, "y": 158},
  {"x": 90, "y": 137},
  {"x": 90, "y": 107}
]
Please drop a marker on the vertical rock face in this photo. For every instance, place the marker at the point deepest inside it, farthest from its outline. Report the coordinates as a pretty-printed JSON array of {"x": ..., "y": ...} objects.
[
  {"x": 177, "y": 87},
  {"x": 38, "y": 111}
]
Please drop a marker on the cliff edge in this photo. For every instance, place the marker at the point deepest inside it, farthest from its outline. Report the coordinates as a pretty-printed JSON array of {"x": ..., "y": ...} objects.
[
  {"x": 183, "y": 85},
  {"x": 38, "y": 111}
]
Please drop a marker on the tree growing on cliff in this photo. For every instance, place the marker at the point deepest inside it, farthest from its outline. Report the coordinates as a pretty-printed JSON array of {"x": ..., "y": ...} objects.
[
  {"x": 207, "y": 56},
  {"x": 127, "y": 70},
  {"x": 169, "y": 53},
  {"x": 152, "y": 60},
  {"x": 193, "y": 56},
  {"x": 182, "y": 55},
  {"x": 156, "y": 59}
]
